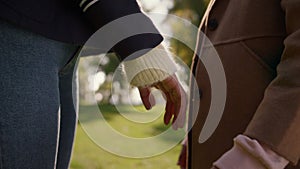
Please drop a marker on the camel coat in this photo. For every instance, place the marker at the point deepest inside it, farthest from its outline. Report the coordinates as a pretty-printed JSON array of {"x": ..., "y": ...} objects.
[{"x": 258, "y": 42}]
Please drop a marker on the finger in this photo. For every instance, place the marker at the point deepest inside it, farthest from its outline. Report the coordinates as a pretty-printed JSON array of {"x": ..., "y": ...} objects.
[
  {"x": 181, "y": 118},
  {"x": 169, "y": 111},
  {"x": 176, "y": 112},
  {"x": 178, "y": 97},
  {"x": 170, "y": 87},
  {"x": 147, "y": 98},
  {"x": 151, "y": 100},
  {"x": 181, "y": 109}
]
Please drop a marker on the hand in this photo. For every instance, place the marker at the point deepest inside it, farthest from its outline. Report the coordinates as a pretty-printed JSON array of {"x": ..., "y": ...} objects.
[
  {"x": 182, "y": 160},
  {"x": 175, "y": 98}
]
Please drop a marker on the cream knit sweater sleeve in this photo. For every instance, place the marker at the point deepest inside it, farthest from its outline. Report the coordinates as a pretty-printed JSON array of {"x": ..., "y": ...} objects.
[{"x": 154, "y": 66}]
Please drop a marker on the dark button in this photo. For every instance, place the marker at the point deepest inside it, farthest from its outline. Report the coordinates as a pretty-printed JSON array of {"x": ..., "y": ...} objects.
[{"x": 212, "y": 24}]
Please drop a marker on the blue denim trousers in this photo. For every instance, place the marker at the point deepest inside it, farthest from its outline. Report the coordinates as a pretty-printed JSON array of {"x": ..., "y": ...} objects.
[{"x": 37, "y": 100}]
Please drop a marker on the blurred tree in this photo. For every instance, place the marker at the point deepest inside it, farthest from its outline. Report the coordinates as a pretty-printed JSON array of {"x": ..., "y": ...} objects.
[
  {"x": 193, "y": 11},
  {"x": 190, "y": 9}
]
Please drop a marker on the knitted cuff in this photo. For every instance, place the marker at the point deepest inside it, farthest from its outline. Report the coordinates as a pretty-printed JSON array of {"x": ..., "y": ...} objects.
[
  {"x": 150, "y": 68},
  {"x": 249, "y": 154}
]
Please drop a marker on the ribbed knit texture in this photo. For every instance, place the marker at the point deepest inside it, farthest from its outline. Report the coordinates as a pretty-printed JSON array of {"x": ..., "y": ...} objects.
[{"x": 150, "y": 68}]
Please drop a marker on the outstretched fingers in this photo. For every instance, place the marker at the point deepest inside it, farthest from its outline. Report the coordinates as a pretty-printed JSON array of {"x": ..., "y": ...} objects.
[
  {"x": 181, "y": 105},
  {"x": 170, "y": 108},
  {"x": 147, "y": 98},
  {"x": 176, "y": 102}
]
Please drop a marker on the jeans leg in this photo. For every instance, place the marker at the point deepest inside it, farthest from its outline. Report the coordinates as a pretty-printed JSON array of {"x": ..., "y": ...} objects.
[
  {"x": 68, "y": 117},
  {"x": 29, "y": 98}
]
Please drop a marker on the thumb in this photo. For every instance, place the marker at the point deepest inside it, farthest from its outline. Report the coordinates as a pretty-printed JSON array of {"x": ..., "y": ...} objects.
[{"x": 147, "y": 98}]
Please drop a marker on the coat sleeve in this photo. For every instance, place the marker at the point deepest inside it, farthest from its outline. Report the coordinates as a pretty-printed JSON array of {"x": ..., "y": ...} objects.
[
  {"x": 101, "y": 12},
  {"x": 277, "y": 120}
]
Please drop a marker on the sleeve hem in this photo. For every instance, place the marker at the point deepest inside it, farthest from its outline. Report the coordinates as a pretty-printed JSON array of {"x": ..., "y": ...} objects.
[
  {"x": 150, "y": 68},
  {"x": 250, "y": 154}
]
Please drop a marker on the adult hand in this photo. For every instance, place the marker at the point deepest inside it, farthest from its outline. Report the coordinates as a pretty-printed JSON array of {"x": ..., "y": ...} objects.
[{"x": 175, "y": 97}]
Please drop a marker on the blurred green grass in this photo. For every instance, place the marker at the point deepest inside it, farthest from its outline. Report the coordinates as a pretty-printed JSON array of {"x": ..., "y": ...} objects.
[{"x": 88, "y": 155}]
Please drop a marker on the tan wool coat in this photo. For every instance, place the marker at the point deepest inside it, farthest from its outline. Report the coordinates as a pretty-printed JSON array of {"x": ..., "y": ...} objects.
[{"x": 258, "y": 42}]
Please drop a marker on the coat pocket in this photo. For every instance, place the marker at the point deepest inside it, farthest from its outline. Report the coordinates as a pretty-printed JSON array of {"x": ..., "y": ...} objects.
[
  {"x": 256, "y": 57},
  {"x": 265, "y": 50}
]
